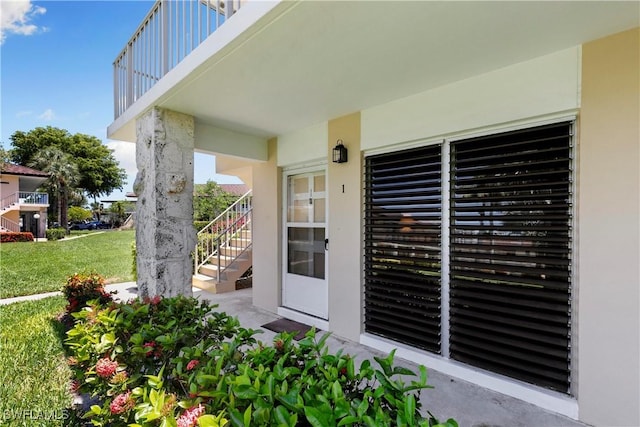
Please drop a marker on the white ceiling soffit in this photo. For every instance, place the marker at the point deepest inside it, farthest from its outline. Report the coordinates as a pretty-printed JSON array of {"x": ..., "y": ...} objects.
[{"x": 317, "y": 60}]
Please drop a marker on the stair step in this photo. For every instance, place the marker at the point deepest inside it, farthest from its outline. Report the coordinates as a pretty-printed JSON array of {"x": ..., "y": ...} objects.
[{"x": 224, "y": 260}]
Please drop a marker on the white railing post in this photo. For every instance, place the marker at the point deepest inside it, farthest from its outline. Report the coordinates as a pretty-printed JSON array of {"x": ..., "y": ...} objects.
[
  {"x": 129, "y": 75},
  {"x": 164, "y": 36}
]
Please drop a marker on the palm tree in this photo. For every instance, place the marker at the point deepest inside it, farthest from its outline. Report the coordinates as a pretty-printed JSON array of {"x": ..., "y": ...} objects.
[
  {"x": 63, "y": 175},
  {"x": 119, "y": 211}
]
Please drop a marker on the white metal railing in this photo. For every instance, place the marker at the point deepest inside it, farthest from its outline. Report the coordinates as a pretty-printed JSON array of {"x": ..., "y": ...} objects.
[
  {"x": 10, "y": 200},
  {"x": 7, "y": 224},
  {"x": 231, "y": 229},
  {"x": 24, "y": 198},
  {"x": 27, "y": 198},
  {"x": 171, "y": 30}
]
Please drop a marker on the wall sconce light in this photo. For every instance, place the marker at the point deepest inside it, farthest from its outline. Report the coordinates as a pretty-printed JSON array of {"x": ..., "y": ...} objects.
[{"x": 339, "y": 152}]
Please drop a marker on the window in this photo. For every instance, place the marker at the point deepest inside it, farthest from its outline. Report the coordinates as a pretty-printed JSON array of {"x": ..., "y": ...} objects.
[
  {"x": 510, "y": 236},
  {"x": 403, "y": 246}
]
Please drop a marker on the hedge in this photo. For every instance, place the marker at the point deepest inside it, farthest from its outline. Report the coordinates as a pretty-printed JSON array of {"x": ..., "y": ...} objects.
[
  {"x": 10, "y": 237},
  {"x": 56, "y": 233}
]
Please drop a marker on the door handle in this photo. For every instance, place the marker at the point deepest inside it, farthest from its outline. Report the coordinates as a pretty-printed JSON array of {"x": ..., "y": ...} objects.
[{"x": 326, "y": 244}]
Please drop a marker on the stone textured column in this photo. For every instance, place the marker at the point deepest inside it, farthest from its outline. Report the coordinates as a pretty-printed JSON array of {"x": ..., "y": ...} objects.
[{"x": 165, "y": 236}]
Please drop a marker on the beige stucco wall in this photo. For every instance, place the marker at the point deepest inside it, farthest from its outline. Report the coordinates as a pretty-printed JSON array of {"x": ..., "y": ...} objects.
[
  {"x": 15, "y": 216},
  {"x": 11, "y": 187},
  {"x": 345, "y": 258},
  {"x": 608, "y": 229},
  {"x": 267, "y": 226},
  {"x": 303, "y": 145},
  {"x": 523, "y": 91}
]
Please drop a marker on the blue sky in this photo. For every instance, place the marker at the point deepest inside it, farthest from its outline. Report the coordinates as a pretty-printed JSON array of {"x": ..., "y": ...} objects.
[{"x": 56, "y": 70}]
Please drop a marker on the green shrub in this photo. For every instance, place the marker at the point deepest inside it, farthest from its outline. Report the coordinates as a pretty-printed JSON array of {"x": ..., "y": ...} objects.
[
  {"x": 11, "y": 237},
  {"x": 169, "y": 361},
  {"x": 199, "y": 225},
  {"x": 55, "y": 233},
  {"x": 134, "y": 264}
]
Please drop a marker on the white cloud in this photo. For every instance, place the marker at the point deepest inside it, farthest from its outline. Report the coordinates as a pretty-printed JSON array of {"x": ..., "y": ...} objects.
[
  {"x": 16, "y": 17},
  {"x": 125, "y": 154},
  {"x": 23, "y": 113},
  {"x": 48, "y": 115}
]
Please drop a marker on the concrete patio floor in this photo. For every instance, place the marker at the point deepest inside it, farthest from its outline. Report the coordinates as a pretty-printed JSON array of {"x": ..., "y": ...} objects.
[{"x": 469, "y": 404}]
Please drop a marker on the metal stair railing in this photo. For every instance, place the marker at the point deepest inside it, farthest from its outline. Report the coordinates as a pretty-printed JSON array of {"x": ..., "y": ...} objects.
[
  {"x": 7, "y": 224},
  {"x": 231, "y": 226},
  {"x": 8, "y": 201}
]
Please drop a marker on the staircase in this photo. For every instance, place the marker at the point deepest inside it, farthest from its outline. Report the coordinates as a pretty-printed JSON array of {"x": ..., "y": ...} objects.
[
  {"x": 223, "y": 251},
  {"x": 7, "y": 225}
]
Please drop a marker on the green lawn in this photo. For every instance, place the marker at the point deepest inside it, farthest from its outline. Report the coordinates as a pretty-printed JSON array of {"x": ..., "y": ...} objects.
[
  {"x": 34, "y": 377},
  {"x": 28, "y": 268}
]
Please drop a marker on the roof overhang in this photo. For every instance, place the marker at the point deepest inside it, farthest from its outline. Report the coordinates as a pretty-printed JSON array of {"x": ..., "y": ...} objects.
[{"x": 277, "y": 67}]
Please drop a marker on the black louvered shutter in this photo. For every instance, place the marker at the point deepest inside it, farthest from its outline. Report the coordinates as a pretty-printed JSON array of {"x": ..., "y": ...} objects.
[
  {"x": 403, "y": 246},
  {"x": 510, "y": 253}
]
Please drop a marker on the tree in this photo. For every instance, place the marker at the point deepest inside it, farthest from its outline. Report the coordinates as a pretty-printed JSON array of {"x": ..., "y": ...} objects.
[
  {"x": 210, "y": 200},
  {"x": 97, "y": 208},
  {"x": 63, "y": 174},
  {"x": 4, "y": 157},
  {"x": 118, "y": 211},
  {"x": 98, "y": 171},
  {"x": 77, "y": 214}
]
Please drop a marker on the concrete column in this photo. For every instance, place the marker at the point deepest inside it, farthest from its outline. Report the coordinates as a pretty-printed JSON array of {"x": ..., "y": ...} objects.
[
  {"x": 165, "y": 236},
  {"x": 266, "y": 229}
]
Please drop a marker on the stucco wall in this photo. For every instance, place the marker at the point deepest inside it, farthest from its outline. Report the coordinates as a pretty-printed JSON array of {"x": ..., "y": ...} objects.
[
  {"x": 344, "y": 182},
  {"x": 11, "y": 187},
  {"x": 303, "y": 145},
  {"x": 549, "y": 84},
  {"x": 609, "y": 233},
  {"x": 267, "y": 226},
  {"x": 15, "y": 216}
]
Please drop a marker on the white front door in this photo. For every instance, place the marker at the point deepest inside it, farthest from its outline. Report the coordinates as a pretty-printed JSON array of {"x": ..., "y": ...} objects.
[{"x": 305, "y": 286}]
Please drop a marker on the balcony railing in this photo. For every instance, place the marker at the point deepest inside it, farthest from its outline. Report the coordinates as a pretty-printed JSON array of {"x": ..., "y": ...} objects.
[
  {"x": 170, "y": 31},
  {"x": 24, "y": 198}
]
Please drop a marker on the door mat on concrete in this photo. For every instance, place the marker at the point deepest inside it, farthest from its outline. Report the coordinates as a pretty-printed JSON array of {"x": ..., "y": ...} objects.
[{"x": 286, "y": 325}]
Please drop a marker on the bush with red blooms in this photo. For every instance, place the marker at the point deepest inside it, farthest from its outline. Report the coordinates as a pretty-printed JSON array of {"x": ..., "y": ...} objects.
[
  {"x": 82, "y": 288},
  {"x": 177, "y": 362},
  {"x": 11, "y": 237}
]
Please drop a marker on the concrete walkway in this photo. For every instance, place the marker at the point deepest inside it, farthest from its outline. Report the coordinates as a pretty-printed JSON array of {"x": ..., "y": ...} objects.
[{"x": 469, "y": 404}]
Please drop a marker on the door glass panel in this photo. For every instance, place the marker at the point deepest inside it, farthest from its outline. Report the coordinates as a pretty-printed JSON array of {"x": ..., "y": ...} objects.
[
  {"x": 318, "y": 210},
  {"x": 301, "y": 211},
  {"x": 299, "y": 204},
  {"x": 318, "y": 183},
  {"x": 301, "y": 185},
  {"x": 306, "y": 251}
]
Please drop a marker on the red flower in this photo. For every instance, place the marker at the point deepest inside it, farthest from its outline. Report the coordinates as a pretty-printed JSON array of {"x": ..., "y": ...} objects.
[
  {"x": 156, "y": 300},
  {"x": 121, "y": 403},
  {"x": 192, "y": 364},
  {"x": 106, "y": 367},
  {"x": 190, "y": 417},
  {"x": 149, "y": 346}
]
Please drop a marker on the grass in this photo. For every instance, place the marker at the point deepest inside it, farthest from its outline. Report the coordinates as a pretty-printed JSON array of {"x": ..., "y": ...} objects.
[
  {"x": 28, "y": 268},
  {"x": 34, "y": 378}
]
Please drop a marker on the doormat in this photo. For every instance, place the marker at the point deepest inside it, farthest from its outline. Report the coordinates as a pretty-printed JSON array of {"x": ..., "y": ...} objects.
[{"x": 286, "y": 325}]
